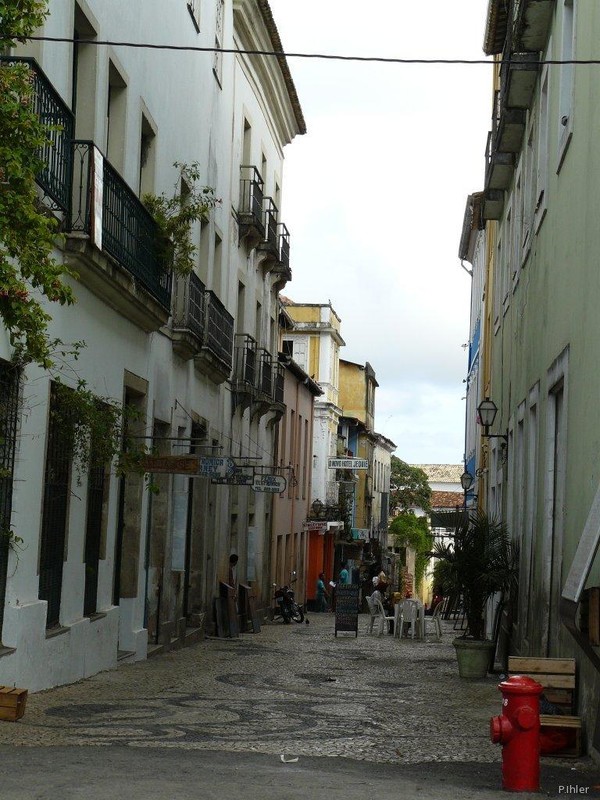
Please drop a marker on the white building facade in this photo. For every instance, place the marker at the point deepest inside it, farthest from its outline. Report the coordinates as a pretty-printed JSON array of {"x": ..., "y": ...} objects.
[{"x": 108, "y": 569}]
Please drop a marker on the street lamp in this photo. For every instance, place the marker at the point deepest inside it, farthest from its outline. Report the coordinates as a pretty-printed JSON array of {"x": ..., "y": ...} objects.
[
  {"x": 466, "y": 480},
  {"x": 486, "y": 414}
]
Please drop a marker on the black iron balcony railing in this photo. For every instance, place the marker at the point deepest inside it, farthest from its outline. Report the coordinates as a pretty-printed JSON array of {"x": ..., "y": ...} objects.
[
  {"x": 245, "y": 361},
  {"x": 219, "y": 329},
  {"x": 279, "y": 378},
  {"x": 55, "y": 176},
  {"x": 271, "y": 215},
  {"x": 250, "y": 211},
  {"x": 191, "y": 312},
  {"x": 284, "y": 245},
  {"x": 266, "y": 373},
  {"x": 129, "y": 234}
]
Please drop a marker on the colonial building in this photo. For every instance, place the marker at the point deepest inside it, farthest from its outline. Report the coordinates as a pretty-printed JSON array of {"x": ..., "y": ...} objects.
[
  {"x": 535, "y": 273},
  {"x": 107, "y": 568}
]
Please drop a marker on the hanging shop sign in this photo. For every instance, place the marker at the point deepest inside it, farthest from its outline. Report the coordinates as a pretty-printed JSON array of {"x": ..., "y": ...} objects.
[
  {"x": 215, "y": 466},
  {"x": 175, "y": 465},
  {"x": 269, "y": 483},
  {"x": 238, "y": 476},
  {"x": 348, "y": 463},
  {"x": 315, "y": 526},
  {"x": 361, "y": 534}
]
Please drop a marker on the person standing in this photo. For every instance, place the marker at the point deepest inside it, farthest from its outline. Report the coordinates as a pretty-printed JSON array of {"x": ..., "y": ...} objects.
[
  {"x": 322, "y": 593},
  {"x": 344, "y": 577}
]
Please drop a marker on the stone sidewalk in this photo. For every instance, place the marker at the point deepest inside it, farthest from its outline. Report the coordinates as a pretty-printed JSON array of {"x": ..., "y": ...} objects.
[{"x": 291, "y": 691}]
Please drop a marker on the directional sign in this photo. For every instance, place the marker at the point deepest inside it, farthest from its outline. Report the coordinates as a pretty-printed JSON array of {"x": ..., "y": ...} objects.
[
  {"x": 215, "y": 466},
  {"x": 238, "y": 476},
  {"x": 348, "y": 463},
  {"x": 269, "y": 483}
]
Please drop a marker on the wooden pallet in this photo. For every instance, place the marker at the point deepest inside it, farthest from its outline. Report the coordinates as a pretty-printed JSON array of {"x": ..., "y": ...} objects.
[
  {"x": 12, "y": 703},
  {"x": 560, "y": 734}
]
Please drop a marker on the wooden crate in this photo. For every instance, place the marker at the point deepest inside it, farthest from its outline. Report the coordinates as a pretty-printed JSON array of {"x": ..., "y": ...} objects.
[
  {"x": 12, "y": 703},
  {"x": 560, "y": 734}
]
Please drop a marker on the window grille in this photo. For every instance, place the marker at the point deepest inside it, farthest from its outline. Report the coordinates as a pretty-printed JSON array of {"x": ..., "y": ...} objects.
[
  {"x": 93, "y": 537},
  {"x": 9, "y": 415},
  {"x": 57, "y": 482}
]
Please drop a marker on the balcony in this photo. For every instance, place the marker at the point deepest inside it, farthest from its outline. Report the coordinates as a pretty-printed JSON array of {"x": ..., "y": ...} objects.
[
  {"x": 518, "y": 78},
  {"x": 269, "y": 396},
  {"x": 112, "y": 241},
  {"x": 250, "y": 211},
  {"x": 216, "y": 354},
  {"x": 55, "y": 178},
  {"x": 281, "y": 267},
  {"x": 532, "y": 20},
  {"x": 500, "y": 167},
  {"x": 189, "y": 315},
  {"x": 245, "y": 371},
  {"x": 493, "y": 204},
  {"x": 265, "y": 375},
  {"x": 269, "y": 246}
]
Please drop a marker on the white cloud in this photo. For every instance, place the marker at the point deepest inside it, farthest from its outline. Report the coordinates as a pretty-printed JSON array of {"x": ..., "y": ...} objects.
[{"x": 374, "y": 197}]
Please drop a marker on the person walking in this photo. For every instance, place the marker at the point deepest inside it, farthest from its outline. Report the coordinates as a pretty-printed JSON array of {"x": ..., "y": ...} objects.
[{"x": 322, "y": 593}]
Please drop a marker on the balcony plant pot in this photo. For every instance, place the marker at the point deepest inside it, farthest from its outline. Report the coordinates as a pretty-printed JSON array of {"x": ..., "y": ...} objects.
[
  {"x": 473, "y": 656},
  {"x": 479, "y": 562}
]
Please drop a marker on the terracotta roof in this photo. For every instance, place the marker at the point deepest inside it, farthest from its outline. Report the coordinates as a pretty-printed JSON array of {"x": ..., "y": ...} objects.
[
  {"x": 446, "y": 499},
  {"x": 442, "y": 473}
]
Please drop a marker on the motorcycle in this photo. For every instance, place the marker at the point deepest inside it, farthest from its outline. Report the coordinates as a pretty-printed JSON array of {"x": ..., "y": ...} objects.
[{"x": 286, "y": 606}]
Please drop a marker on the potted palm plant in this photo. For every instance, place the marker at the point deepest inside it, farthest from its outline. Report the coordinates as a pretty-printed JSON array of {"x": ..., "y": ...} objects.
[{"x": 480, "y": 560}]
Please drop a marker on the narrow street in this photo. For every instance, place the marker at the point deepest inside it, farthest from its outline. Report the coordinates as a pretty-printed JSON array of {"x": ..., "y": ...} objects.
[{"x": 217, "y": 718}]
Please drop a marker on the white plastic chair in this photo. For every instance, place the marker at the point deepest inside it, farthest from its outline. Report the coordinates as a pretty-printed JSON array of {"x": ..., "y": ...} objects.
[
  {"x": 436, "y": 617},
  {"x": 372, "y": 611},
  {"x": 408, "y": 614},
  {"x": 381, "y": 615}
]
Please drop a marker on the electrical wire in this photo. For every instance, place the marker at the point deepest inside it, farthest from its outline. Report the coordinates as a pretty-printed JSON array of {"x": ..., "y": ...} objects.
[{"x": 322, "y": 56}]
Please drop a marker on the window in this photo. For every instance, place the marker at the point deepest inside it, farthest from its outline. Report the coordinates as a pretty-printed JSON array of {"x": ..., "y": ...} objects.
[
  {"x": 566, "y": 80},
  {"x": 218, "y": 59},
  {"x": 287, "y": 347},
  {"x": 147, "y": 157},
  {"x": 116, "y": 109},
  {"x": 541, "y": 200},
  {"x": 194, "y": 9},
  {"x": 9, "y": 408}
]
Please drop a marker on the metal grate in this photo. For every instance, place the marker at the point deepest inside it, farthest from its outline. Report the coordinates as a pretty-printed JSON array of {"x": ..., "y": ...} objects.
[
  {"x": 93, "y": 537},
  {"x": 57, "y": 481},
  {"x": 219, "y": 329},
  {"x": 9, "y": 415}
]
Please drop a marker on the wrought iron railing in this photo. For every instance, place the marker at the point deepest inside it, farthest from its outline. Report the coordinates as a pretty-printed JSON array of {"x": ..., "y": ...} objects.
[
  {"x": 251, "y": 196},
  {"x": 9, "y": 421},
  {"x": 190, "y": 312},
  {"x": 266, "y": 373},
  {"x": 129, "y": 233},
  {"x": 284, "y": 245},
  {"x": 279, "y": 380},
  {"x": 271, "y": 214},
  {"x": 219, "y": 329},
  {"x": 55, "y": 176},
  {"x": 245, "y": 360}
]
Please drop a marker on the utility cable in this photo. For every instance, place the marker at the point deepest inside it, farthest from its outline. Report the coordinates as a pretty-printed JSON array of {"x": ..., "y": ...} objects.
[{"x": 323, "y": 56}]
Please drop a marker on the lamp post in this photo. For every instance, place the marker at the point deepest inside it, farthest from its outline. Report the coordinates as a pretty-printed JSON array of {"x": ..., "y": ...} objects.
[{"x": 486, "y": 414}]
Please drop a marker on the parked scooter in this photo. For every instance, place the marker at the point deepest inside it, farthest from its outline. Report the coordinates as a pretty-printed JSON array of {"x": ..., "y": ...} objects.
[{"x": 286, "y": 606}]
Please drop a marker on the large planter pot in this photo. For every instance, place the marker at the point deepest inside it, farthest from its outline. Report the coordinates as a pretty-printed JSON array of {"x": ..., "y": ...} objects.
[{"x": 473, "y": 656}]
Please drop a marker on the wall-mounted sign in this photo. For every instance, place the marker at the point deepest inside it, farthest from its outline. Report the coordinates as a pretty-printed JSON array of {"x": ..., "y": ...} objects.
[
  {"x": 238, "y": 476},
  {"x": 315, "y": 526},
  {"x": 361, "y": 534},
  {"x": 182, "y": 465},
  {"x": 269, "y": 483},
  {"x": 348, "y": 463},
  {"x": 215, "y": 466}
]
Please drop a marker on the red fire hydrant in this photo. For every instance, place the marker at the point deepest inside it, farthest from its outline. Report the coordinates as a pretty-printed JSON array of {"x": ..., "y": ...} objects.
[{"x": 517, "y": 729}]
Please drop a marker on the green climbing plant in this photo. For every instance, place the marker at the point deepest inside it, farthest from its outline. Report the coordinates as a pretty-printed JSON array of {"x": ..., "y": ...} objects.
[
  {"x": 29, "y": 275},
  {"x": 175, "y": 214}
]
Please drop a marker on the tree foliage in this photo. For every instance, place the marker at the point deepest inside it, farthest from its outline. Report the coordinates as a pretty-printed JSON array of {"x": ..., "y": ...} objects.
[
  {"x": 29, "y": 276},
  {"x": 412, "y": 531},
  {"x": 410, "y": 487}
]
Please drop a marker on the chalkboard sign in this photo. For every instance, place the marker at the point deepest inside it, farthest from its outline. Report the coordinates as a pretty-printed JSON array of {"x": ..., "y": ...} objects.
[
  {"x": 251, "y": 621},
  {"x": 346, "y": 608}
]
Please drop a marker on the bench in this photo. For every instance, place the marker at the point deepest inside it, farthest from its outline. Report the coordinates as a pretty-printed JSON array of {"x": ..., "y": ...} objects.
[{"x": 560, "y": 733}]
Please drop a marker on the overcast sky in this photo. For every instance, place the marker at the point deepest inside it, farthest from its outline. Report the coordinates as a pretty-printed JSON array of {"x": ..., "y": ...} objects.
[{"x": 374, "y": 197}]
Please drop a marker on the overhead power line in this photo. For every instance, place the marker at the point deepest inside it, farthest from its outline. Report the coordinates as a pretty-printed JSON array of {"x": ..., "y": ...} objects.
[{"x": 322, "y": 56}]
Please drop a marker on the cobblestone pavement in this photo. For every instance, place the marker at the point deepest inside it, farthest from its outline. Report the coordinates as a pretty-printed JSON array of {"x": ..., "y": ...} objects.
[{"x": 295, "y": 690}]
